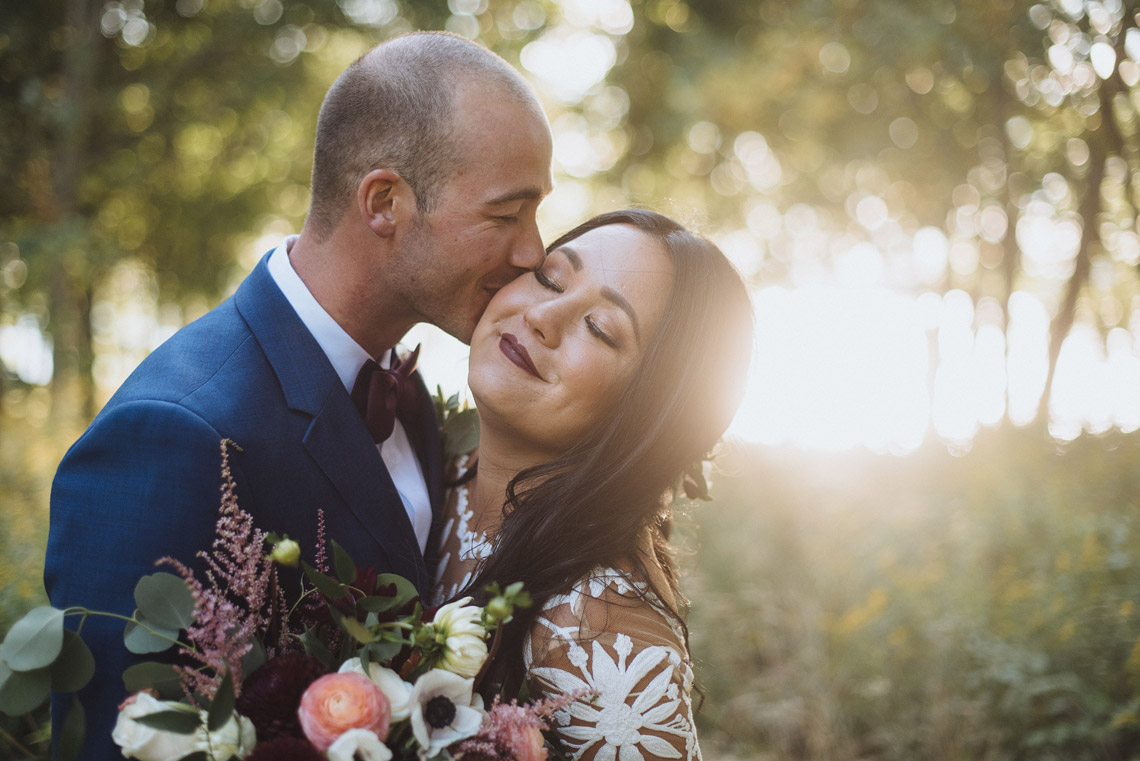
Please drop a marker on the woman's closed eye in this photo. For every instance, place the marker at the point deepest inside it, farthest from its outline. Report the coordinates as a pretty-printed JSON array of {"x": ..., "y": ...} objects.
[
  {"x": 546, "y": 282},
  {"x": 597, "y": 330}
]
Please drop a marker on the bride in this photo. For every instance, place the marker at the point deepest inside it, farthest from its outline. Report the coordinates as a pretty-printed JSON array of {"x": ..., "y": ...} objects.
[{"x": 599, "y": 379}]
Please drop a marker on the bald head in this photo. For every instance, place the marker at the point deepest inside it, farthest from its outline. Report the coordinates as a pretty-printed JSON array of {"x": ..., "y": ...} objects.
[{"x": 395, "y": 108}]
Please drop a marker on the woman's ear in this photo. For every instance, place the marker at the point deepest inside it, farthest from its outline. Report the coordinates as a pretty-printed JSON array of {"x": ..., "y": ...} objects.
[{"x": 383, "y": 199}]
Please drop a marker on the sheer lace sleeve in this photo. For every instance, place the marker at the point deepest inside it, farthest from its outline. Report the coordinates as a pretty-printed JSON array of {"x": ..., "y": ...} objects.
[{"x": 625, "y": 659}]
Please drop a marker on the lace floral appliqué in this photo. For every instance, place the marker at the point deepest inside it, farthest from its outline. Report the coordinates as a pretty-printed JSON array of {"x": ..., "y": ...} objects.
[{"x": 632, "y": 674}]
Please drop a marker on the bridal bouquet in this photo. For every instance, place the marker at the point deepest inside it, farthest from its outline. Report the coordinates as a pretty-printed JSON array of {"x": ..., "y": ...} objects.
[{"x": 357, "y": 669}]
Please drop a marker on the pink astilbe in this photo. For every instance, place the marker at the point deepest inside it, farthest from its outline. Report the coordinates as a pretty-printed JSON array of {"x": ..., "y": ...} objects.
[
  {"x": 242, "y": 598},
  {"x": 321, "y": 562}
]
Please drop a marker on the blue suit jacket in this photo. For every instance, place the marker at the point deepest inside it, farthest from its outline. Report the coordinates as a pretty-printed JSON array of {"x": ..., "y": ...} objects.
[{"x": 144, "y": 480}]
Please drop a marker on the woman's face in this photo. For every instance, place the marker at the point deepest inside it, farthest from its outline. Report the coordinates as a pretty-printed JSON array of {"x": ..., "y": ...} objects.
[{"x": 556, "y": 347}]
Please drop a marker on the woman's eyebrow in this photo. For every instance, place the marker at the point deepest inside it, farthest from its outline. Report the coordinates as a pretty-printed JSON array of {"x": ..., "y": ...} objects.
[
  {"x": 621, "y": 302},
  {"x": 572, "y": 256}
]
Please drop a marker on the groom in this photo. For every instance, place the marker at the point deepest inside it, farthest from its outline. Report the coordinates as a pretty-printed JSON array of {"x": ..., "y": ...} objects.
[{"x": 432, "y": 155}]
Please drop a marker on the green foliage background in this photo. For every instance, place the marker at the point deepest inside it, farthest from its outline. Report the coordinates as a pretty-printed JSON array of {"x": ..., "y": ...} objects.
[{"x": 978, "y": 606}]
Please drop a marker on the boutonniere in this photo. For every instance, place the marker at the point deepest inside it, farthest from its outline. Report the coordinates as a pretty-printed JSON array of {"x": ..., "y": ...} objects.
[{"x": 458, "y": 425}]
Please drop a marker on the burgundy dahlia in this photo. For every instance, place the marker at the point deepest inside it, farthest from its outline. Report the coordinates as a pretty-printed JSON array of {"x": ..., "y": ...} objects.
[
  {"x": 271, "y": 694},
  {"x": 285, "y": 749}
]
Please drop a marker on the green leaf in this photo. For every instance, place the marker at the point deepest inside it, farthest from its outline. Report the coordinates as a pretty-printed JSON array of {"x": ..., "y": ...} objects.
[
  {"x": 140, "y": 641},
  {"x": 75, "y": 665},
  {"x": 177, "y": 721},
  {"x": 152, "y": 675},
  {"x": 23, "y": 691},
  {"x": 405, "y": 590},
  {"x": 357, "y": 630},
  {"x": 34, "y": 641},
  {"x": 460, "y": 433},
  {"x": 222, "y": 707},
  {"x": 198, "y": 755},
  {"x": 254, "y": 659},
  {"x": 326, "y": 585},
  {"x": 385, "y": 651},
  {"x": 379, "y": 604},
  {"x": 345, "y": 568},
  {"x": 166, "y": 600},
  {"x": 70, "y": 742},
  {"x": 316, "y": 648}
]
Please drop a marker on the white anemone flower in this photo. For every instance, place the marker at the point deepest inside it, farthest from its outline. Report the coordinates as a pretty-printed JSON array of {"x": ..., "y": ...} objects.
[
  {"x": 359, "y": 745},
  {"x": 458, "y": 626},
  {"x": 444, "y": 710},
  {"x": 398, "y": 692}
]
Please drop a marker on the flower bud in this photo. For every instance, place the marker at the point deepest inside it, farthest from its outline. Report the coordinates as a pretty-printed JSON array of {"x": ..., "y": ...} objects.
[
  {"x": 499, "y": 610},
  {"x": 286, "y": 552}
]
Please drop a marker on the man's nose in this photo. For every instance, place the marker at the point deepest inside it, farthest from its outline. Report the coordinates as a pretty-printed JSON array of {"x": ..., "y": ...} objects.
[{"x": 528, "y": 252}]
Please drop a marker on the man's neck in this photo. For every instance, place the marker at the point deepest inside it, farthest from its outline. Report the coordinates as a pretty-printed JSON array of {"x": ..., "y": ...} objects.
[{"x": 343, "y": 286}]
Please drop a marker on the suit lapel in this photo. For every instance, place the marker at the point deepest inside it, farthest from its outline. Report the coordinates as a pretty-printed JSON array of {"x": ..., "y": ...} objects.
[
  {"x": 341, "y": 446},
  {"x": 336, "y": 437}
]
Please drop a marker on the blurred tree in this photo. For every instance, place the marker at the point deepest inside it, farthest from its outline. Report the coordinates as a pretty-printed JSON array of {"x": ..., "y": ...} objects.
[{"x": 883, "y": 117}]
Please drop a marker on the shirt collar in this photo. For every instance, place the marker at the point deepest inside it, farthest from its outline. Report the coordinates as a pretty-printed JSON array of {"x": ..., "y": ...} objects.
[{"x": 343, "y": 352}]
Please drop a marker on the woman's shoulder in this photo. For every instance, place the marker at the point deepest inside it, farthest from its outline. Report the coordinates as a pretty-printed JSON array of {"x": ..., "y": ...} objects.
[{"x": 608, "y": 604}]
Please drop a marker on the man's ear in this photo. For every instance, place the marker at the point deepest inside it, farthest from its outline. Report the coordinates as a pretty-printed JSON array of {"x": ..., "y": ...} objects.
[{"x": 384, "y": 200}]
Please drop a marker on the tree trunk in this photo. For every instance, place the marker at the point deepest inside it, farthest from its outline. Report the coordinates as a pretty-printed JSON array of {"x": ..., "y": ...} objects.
[
  {"x": 1089, "y": 209},
  {"x": 70, "y": 307}
]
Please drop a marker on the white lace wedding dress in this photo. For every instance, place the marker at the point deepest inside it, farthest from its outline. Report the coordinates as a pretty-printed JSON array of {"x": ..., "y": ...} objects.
[{"x": 608, "y": 640}]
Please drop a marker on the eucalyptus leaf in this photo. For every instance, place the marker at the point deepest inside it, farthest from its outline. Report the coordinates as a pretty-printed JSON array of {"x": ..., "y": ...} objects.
[
  {"x": 326, "y": 585},
  {"x": 34, "y": 641},
  {"x": 176, "y": 721},
  {"x": 166, "y": 600},
  {"x": 222, "y": 707},
  {"x": 345, "y": 567},
  {"x": 70, "y": 742},
  {"x": 160, "y": 677},
  {"x": 357, "y": 630},
  {"x": 140, "y": 641},
  {"x": 23, "y": 691},
  {"x": 75, "y": 665}
]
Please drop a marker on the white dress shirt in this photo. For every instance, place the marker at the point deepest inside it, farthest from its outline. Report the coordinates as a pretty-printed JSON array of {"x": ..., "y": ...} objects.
[{"x": 347, "y": 357}]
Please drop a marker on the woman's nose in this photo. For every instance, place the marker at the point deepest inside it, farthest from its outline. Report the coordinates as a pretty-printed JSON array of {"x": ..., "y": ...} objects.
[{"x": 545, "y": 317}]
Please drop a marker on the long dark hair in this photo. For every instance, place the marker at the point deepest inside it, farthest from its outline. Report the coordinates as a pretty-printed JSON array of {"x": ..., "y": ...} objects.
[{"x": 589, "y": 507}]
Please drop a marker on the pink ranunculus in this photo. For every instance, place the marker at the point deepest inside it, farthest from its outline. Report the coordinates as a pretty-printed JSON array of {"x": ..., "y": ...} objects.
[
  {"x": 526, "y": 743},
  {"x": 336, "y": 703}
]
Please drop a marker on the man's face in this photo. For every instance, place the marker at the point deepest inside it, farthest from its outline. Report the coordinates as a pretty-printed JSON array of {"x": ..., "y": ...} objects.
[{"x": 482, "y": 232}]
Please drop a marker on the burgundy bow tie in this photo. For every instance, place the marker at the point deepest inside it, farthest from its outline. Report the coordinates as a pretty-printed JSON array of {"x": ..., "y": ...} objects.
[{"x": 382, "y": 396}]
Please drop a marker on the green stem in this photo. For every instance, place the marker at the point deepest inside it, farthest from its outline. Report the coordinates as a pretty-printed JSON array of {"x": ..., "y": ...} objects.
[
  {"x": 16, "y": 744},
  {"x": 80, "y": 611},
  {"x": 299, "y": 599}
]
